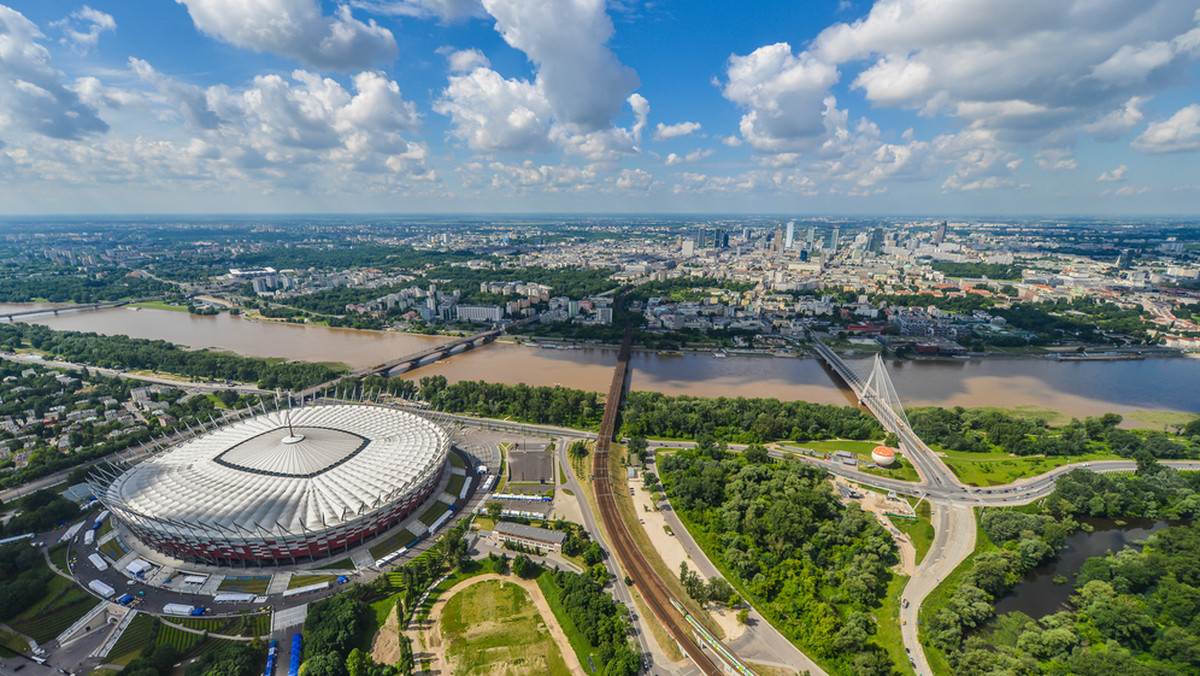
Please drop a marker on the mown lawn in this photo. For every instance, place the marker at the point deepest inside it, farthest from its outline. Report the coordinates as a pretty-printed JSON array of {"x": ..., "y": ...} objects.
[
  {"x": 919, "y": 530},
  {"x": 63, "y": 604},
  {"x": 250, "y": 585},
  {"x": 402, "y": 539},
  {"x": 137, "y": 636},
  {"x": 997, "y": 468},
  {"x": 432, "y": 514},
  {"x": 258, "y": 624},
  {"x": 494, "y": 627},
  {"x": 888, "y": 617},
  {"x": 305, "y": 580}
]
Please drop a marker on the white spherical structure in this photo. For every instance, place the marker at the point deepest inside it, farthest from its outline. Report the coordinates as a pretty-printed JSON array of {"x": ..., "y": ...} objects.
[
  {"x": 883, "y": 456},
  {"x": 282, "y": 486}
]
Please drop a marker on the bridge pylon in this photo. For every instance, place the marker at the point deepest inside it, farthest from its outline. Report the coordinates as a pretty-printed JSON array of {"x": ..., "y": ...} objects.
[{"x": 879, "y": 385}]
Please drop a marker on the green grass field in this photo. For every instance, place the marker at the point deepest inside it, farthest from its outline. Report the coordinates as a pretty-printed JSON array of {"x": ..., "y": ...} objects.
[
  {"x": 889, "y": 624},
  {"x": 13, "y": 643},
  {"x": 579, "y": 642},
  {"x": 258, "y": 624},
  {"x": 63, "y": 604},
  {"x": 105, "y": 526},
  {"x": 920, "y": 530},
  {"x": 250, "y": 585},
  {"x": 137, "y": 636},
  {"x": 401, "y": 539},
  {"x": 187, "y": 643},
  {"x": 455, "y": 484},
  {"x": 457, "y": 461},
  {"x": 340, "y": 564},
  {"x": 114, "y": 549},
  {"x": 305, "y": 580},
  {"x": 510, "y": 639},
  {"x": 432, "y": 514},
  {"x": 862, "y": 448},
  {"x": 994, "y": 469},
  {"x": 58, "y": 556}
]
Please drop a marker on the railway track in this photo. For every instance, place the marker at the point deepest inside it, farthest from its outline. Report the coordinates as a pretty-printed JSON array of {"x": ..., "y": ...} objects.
[{"x": 653, "y": 589}]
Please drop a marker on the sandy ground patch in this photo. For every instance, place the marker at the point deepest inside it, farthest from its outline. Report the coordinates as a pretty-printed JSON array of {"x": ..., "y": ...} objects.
[
  {"x": 673, "y": 554},
  {"x": 878, "y": 505},
  {"x": 427, "y": 636},
  {"x": 386, "y": 648},
  {"x": 567, "y": 506}
]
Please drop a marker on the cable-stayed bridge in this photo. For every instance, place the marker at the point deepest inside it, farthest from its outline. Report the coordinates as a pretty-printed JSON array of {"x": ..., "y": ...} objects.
[{"x": 873, "y": 386}]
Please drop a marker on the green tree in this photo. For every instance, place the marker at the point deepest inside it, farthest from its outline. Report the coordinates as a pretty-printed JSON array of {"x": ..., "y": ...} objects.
[
  {"x": 405, "y": 664},
  {"x": 494, "y": 507},
  {"x": 324, "y": 664}
]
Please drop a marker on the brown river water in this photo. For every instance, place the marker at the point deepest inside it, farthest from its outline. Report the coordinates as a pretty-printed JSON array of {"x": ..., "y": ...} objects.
[{"x": 1075, "y": 388}]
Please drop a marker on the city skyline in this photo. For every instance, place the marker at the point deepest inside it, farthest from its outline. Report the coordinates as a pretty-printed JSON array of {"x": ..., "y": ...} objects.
[{"x": 969, "y": 107}]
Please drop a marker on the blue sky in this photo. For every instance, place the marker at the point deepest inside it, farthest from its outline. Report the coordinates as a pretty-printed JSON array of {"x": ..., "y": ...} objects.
[{"x": 893, "y": 107}]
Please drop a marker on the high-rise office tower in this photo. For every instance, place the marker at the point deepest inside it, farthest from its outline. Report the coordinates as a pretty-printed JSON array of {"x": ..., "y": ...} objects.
[
  {"x": 812, "y": 236},
  {"x": 876, "y": 242},
  {"x": 832, "y": 244},
  {"x": 791, "y": 233}
]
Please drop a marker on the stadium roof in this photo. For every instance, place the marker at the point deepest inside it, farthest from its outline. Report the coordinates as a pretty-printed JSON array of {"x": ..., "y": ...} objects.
[{"x": 332, "y": 464}]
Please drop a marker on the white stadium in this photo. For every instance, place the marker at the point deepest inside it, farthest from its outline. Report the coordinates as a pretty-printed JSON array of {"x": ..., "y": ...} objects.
[{"x": 282, "y": 487}]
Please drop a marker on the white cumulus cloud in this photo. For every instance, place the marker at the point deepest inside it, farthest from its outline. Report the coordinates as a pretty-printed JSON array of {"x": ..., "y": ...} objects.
[
  {"x": 32, "y": 95},
  {"x": 1117, "y": 174},
  {"x": 1178, "y": 134},
  {"x": 297, "y": 29},
  {"x": 581, "y": 78},
  {"x": 663, "y": 132},
  {"x": 82, "y": 28}
]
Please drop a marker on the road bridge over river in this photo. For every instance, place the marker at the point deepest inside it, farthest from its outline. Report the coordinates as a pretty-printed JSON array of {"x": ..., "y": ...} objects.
[{"x": 64, "y": 309}]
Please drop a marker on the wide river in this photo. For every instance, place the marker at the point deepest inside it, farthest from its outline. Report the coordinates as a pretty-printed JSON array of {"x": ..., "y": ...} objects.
[{"x": 1075, "y": 388}]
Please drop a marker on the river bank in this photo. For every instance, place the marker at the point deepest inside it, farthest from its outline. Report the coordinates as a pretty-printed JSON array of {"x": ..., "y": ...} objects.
[{"x": 1149, "y": 393}]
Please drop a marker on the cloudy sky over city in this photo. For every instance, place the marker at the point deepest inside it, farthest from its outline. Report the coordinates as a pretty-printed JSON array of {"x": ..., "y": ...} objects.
[{"x": 820, "y": 107}]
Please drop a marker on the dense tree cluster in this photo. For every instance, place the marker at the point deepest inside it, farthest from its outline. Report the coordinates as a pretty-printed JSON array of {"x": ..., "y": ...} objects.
[
  {"x": 97, "y": 287},
  {"x": 1134, "y": 612},
  {"x": 155, "y": 660},
  {"x": 651, "y": 414},
  {"x": 1154, "y": 492},
  {"x": 816, "y": 567},
  {"x": 570, "y": 282},
  {"x": 40, "y": 511},
  {"x": 601, "y": 620},
  {"x": 136, "y": 353},
  {"x": 742, "y": 420},
  {"x": 23, "y": 577},
  {"x": 238, "y": 659},
  {"x": 983, "y": 430},
  {"x": 1085, "y": 319},
  {"x": 688, "y": 289},
  {"x": 994, "y": 271},
  {"x": 349, "y": 257},
  {"x": 541, "y": 405}
]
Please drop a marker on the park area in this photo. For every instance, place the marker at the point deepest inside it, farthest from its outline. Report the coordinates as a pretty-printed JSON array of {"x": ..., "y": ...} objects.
[{"x": 494, "y": 627}]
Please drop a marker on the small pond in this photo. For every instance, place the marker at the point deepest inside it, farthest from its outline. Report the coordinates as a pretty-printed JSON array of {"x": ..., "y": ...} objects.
[{"x": 1037, "y": 595}]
